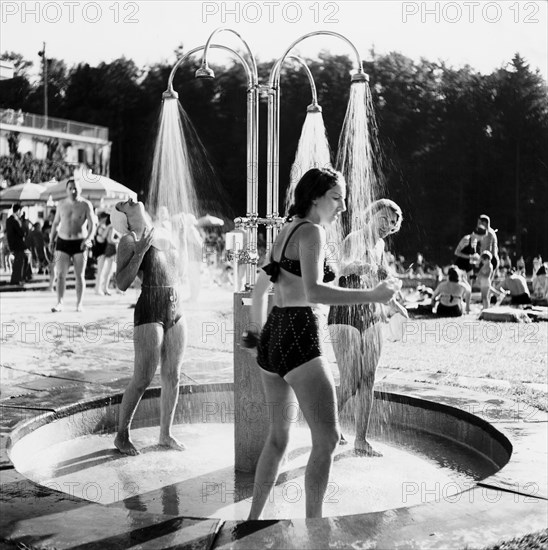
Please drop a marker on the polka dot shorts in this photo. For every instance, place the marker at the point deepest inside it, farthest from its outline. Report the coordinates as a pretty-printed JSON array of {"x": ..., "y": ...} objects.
[{"x": 289, "y": 339}]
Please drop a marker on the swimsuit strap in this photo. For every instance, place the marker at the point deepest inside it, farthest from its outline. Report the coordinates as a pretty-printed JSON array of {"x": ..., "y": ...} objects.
[{"x": 288, "y": 239}]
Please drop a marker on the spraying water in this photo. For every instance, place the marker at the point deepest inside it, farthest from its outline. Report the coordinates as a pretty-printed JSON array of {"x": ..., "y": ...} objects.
[
  {"x": 356, "y": 160},
  {"x": 355, "y": 237},
  {"x": 171, "y": 183},
  {"x": 312, "y": 152},
  {"x": 183, "y": 186}
]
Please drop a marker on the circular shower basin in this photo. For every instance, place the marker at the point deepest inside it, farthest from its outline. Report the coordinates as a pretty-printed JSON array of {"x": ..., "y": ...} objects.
[{"x": 430, "y": 452}]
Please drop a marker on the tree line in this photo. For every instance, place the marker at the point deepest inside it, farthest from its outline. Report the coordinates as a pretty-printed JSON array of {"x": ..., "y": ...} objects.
[{"x": 455, "y": 143}]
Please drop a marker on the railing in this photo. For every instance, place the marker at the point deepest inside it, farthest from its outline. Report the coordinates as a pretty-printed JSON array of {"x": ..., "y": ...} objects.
[{"x": 18, "y": 118}]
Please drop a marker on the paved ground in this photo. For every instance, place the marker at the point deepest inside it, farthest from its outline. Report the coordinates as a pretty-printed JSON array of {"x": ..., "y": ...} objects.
[{"x": 51, "y": 359}]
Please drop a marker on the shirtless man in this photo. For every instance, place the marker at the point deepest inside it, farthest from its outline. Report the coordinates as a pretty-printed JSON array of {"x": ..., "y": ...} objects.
[{"x": 71, "y": 234}]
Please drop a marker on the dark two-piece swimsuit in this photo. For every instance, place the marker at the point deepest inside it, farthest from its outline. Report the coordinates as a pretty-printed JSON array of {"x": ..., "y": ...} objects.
[
  {"x": 359, "y": 316},
  {"x": 454, "y": 310},
  {"x": 291, "y": 335}
]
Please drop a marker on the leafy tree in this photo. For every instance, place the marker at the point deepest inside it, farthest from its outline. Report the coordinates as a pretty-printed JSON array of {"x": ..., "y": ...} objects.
[
  {"x": 519, "y": 107},
  {"x": 14, "y": 91},
  {"x": 57, "y": 81},
  {"x": 20, "y": 64}
]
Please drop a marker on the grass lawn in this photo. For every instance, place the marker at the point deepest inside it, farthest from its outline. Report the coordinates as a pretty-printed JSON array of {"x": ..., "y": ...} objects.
[{"x": 508, "y": 359}]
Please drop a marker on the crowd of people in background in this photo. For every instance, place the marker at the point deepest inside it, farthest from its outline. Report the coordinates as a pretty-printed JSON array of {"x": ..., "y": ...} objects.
[{"x": 25, "y": 251}]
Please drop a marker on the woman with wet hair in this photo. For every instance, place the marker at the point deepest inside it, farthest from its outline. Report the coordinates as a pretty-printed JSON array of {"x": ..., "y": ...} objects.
[
  {"x": 356, "y": 330},
  {"x": 159, "y": 324},
  {"x": 290, "y": 355}
]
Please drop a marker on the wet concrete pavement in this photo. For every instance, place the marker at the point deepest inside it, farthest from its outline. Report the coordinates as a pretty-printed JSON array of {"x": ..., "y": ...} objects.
[{"x": 51, "y": 360}]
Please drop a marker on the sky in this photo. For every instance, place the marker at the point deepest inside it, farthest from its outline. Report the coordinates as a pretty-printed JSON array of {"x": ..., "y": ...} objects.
[{"x": 484, "y": 34}]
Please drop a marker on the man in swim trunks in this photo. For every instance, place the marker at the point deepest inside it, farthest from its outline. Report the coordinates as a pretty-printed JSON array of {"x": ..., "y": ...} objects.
[
  {"x": 159, "y": 325},
  {"x": 71, "y": 237}
]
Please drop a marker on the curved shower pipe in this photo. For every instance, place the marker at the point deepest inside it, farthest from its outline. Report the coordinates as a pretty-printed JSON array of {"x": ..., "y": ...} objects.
[
  {"x": 273, "y": 151},
  {"x": 252, "y": 125},
  {"x": 252, "y": 183}
]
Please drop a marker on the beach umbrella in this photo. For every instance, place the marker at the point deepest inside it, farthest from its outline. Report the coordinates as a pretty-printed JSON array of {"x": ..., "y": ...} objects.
[
  {"x": 97, "y": 189},
  {"x": 209, "y": 220},
  {"x": 25, "y": 193}
]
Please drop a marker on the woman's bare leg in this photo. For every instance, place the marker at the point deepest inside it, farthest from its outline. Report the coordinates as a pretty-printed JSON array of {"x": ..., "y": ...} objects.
[
  {"x": 315, "y": 390},
  {"x": 147, "y": 343},
  {"x": 363, "y": 402},
  {"x": 357, "y": 357},
  {"x": 485, "y": 297},
  {"x": 279, "y": 392},
  {"x": 173, "y": 350}
]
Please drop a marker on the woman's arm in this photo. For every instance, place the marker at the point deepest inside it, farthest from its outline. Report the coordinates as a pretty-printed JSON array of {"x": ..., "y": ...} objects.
[
  {"x": 311, "y": 255},
  {"x": 458, "y": 251},
  {"x": 259, "y": 302},
  {"x": 129, "y": 257}
]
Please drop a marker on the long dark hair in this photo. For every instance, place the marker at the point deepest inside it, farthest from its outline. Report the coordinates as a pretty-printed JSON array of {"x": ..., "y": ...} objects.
[{"x": 314, "y": 184}]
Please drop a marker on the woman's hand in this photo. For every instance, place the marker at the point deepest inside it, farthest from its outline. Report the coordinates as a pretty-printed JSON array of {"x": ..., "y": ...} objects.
[
  {"x": 142, "y": 245},
  {"x": 385, "y": 290}
]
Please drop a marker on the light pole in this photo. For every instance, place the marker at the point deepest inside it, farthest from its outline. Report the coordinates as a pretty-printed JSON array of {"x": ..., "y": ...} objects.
[{"x": 42, "y": 54}]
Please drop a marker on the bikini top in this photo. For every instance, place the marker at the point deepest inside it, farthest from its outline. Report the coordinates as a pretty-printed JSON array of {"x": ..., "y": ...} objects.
[{"x": 293, "y": 266}]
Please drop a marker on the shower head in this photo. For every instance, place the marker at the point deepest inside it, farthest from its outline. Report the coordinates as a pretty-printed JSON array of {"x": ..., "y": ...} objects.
[
  {"x": 204, "y": 72},
  {"x": 360, "y": 76},
  {"x": 314, "y": 108},
  {"x": 170, "y": 93}
]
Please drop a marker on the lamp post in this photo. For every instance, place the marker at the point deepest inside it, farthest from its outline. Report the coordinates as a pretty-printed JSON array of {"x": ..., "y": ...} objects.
[{"x": 42, "y": 54}]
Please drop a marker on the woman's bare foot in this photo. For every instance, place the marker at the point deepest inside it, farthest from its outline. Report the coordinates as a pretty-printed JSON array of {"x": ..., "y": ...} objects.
[
  {"x": 125, "y": 446},
  {"x": 171, "y": 443},
  {"x": 362, "y": 448}
]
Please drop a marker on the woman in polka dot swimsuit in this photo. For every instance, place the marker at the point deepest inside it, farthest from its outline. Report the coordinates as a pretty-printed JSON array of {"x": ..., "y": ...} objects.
[{"x": 289, "y": 353}]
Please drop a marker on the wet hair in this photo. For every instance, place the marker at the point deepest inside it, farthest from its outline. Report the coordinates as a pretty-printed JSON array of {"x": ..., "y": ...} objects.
[
  {"x": 313, "y": 185},
  {"x": 453, "y": 274},
  {"x": 382, "y": 204},
  {"x": 486, "y": 255},
  {"x": 70, "y": 180}
]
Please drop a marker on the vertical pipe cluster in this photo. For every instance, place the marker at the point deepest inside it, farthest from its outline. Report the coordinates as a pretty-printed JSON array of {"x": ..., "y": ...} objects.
[{"x": 251, "y": 221}]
